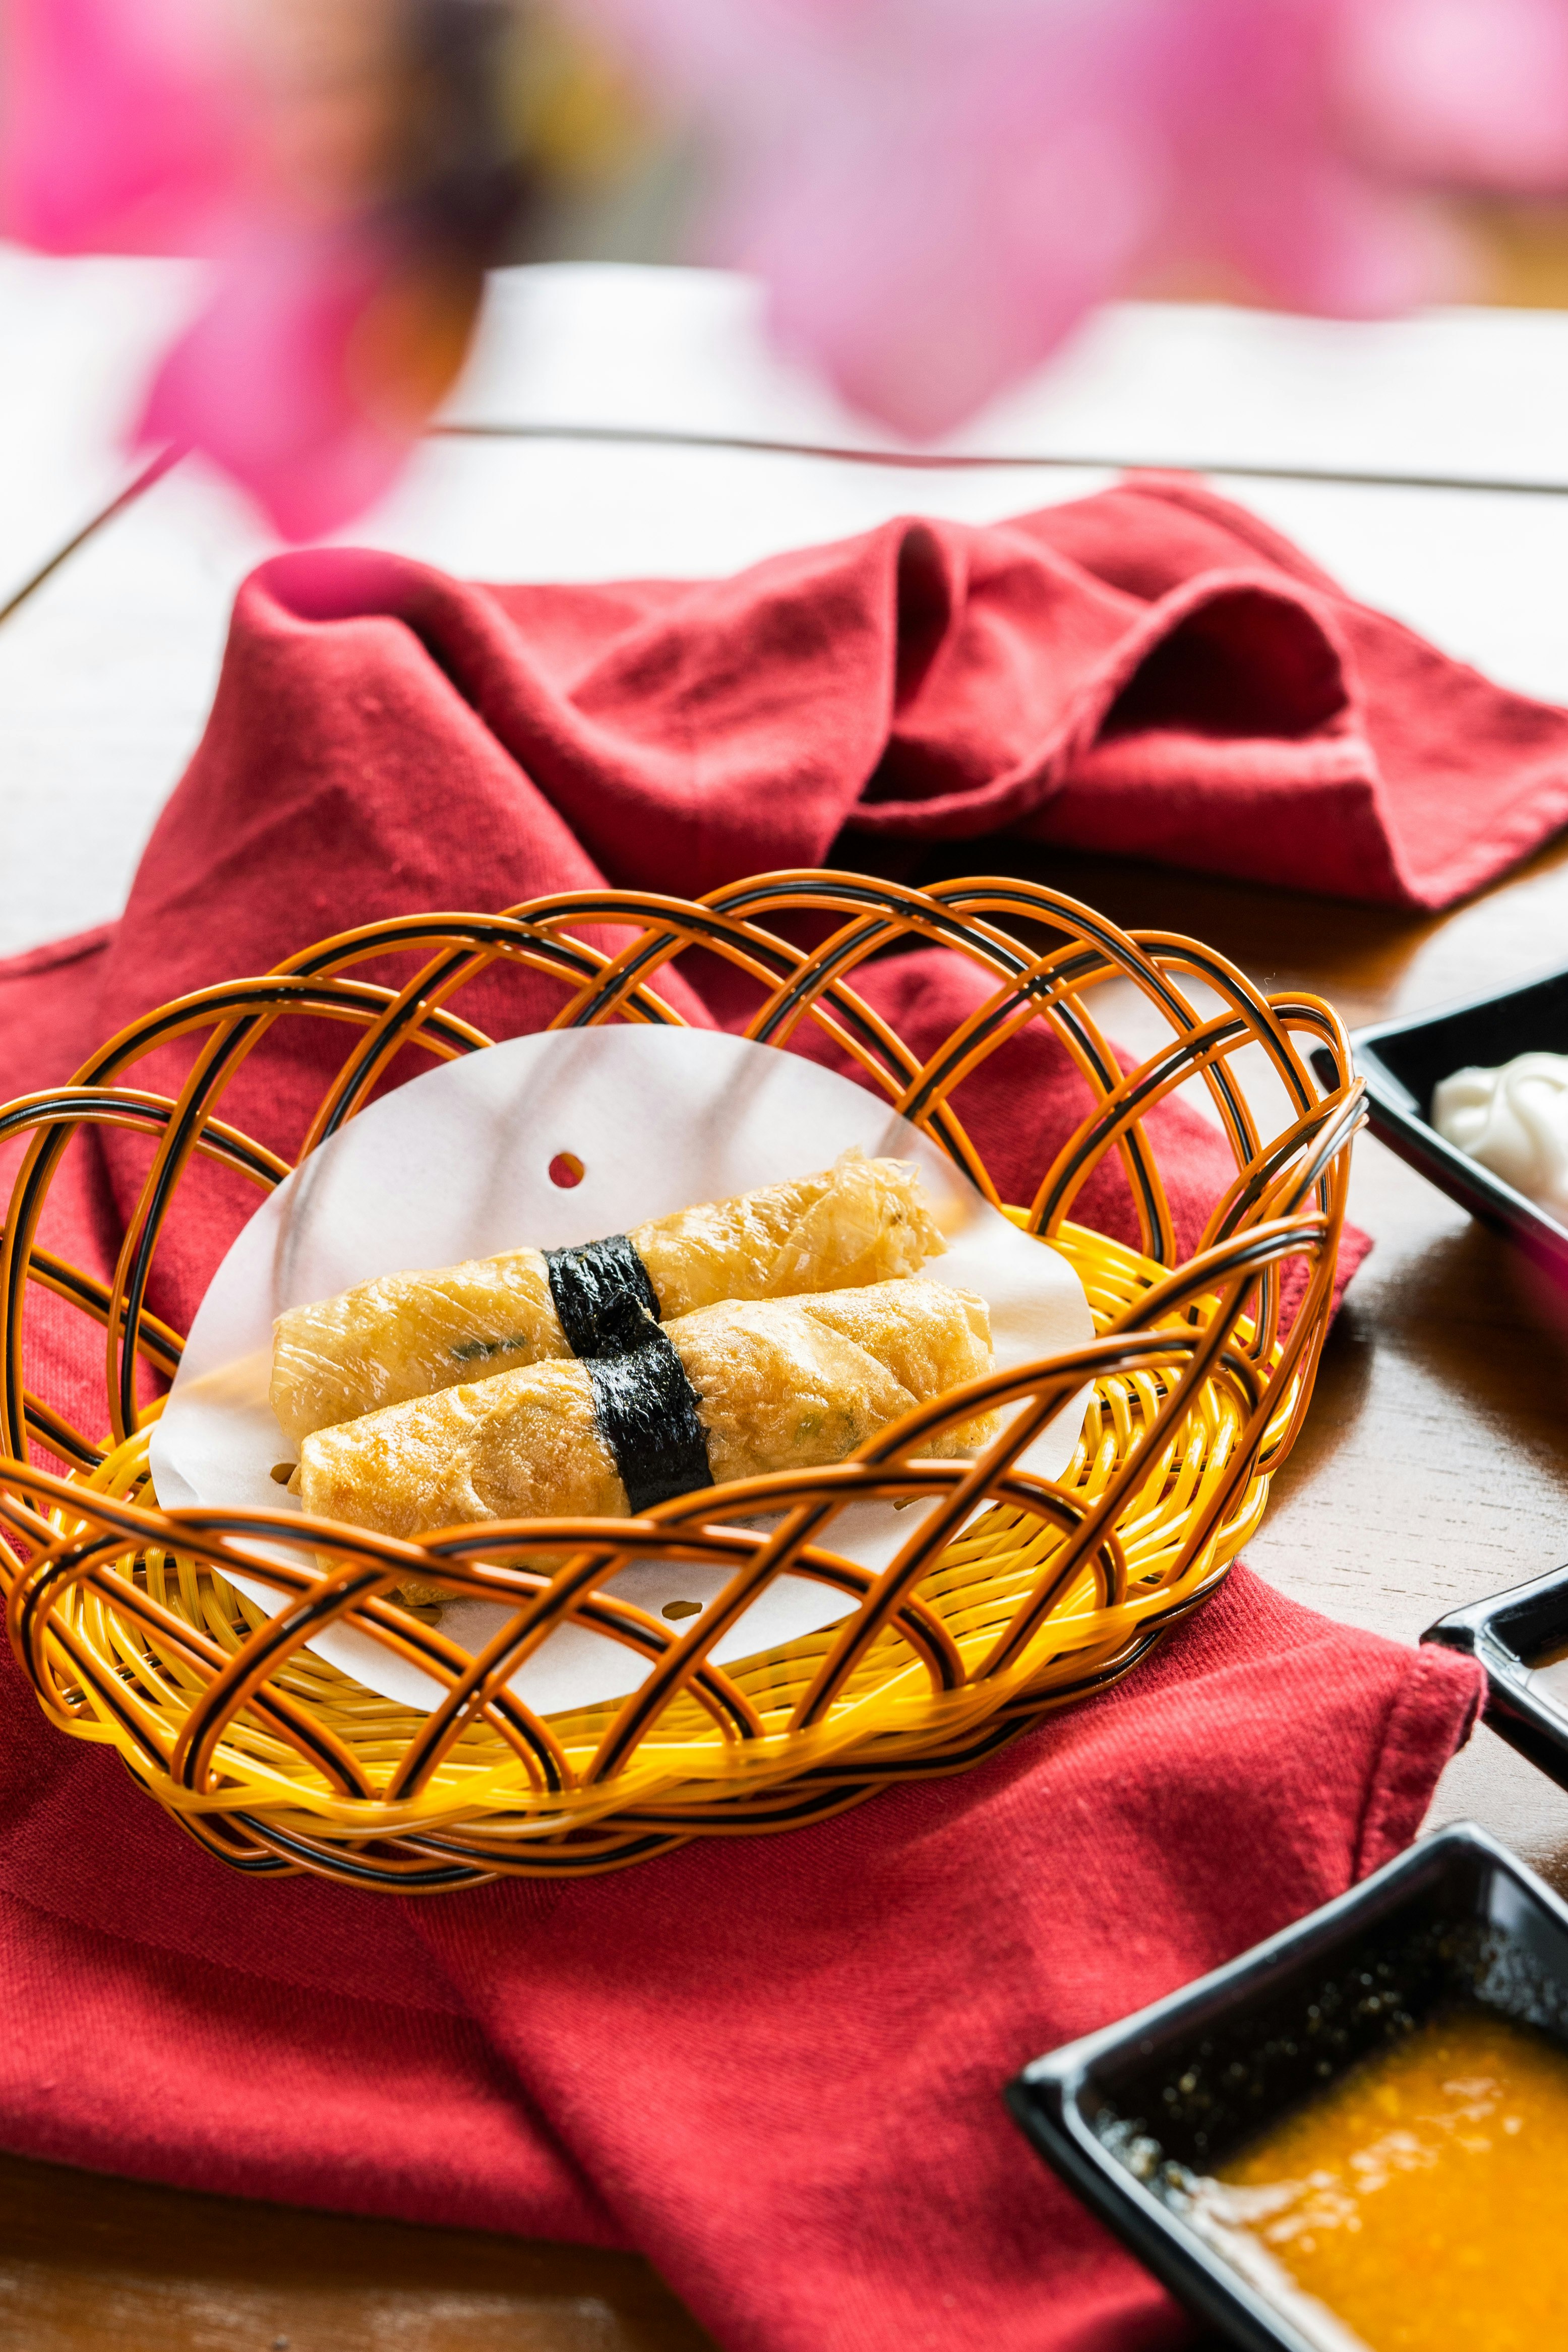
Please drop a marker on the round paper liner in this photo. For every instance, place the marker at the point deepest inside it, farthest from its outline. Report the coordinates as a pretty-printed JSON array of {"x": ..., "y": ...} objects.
[{"x": 458, "y": 1163}]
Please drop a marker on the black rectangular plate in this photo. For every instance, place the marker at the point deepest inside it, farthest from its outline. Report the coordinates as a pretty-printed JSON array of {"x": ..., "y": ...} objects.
[
  {"x": 1504, "y": 1633},
  {"x": 1210, "y": 2066},
  {"x": 1403, "y": 1061}
]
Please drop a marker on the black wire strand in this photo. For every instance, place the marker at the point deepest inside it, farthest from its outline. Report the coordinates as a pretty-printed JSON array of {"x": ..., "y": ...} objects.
[
  {"x": 136, "y": 488},
  {"x": 938, "y": 462},
  {"x": 926, "y": 461}
]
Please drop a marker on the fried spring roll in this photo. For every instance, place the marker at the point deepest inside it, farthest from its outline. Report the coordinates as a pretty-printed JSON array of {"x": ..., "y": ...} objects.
[
  {"x": 409, "y": 1334},
  {"x": 777, "y": 1384}
]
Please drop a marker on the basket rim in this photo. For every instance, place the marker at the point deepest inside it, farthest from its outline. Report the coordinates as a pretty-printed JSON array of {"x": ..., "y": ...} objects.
[{"x": 1287, "y": 1200}]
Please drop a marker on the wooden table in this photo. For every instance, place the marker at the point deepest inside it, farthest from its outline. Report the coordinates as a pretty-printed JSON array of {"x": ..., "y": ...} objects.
[{"x": 1433, "y": 1469}]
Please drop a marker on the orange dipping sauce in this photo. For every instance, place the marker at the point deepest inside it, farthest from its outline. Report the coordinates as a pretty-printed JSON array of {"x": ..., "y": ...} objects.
[{"x": 1421, "y": 2203}]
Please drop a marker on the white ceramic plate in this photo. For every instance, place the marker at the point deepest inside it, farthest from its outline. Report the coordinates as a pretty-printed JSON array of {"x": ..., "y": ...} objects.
[{"x": 456, "y": 1164}]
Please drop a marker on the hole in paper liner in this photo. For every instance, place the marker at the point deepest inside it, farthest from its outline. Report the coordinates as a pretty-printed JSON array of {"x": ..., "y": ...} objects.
[{"x": 566, "y": 1170}]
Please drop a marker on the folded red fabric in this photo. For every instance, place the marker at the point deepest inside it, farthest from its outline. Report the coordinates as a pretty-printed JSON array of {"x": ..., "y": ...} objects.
[
  {"x": 773, "y": 2065},
  {"x": 1151, "y": 671}
]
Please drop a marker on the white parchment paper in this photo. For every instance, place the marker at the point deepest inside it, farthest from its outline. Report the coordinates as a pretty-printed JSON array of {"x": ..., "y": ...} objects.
[{"x": 456, "y": 1164}]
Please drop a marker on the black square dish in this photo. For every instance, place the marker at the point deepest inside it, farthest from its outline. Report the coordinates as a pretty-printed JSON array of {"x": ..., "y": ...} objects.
[
  {"x": 1514, "y": 1635},
  {"x": 1402, "y": 1062},
  {"x": 1192, "y": 2078}
]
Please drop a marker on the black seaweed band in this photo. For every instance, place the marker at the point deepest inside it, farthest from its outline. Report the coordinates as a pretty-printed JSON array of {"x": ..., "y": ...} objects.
[
  {"x": 645, "y": 1406},
  {"x": 603, "y": 1297},
  {"x": 646, "y": 1412}
]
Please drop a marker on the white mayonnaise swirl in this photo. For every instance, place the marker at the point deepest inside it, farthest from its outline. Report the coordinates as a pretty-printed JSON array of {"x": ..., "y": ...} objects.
[{"x": 1514, "y": 1120}]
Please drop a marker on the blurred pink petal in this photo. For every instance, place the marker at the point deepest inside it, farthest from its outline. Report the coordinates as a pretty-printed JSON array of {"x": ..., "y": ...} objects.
[
  {"x": 336, "y": 158},
  {"x": 270, "y": 383},
  {"x": 1259, "y": 182},
  {"x": 936, "y": 191},
  {"x": 1461, "y": 92},
  {"x": 122, "y": 123}
]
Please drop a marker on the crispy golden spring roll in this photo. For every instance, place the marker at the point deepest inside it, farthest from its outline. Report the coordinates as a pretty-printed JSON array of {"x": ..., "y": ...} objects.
[
  {"x": 730, "y": 1391},
  {"x": 408, "y": 1335}
]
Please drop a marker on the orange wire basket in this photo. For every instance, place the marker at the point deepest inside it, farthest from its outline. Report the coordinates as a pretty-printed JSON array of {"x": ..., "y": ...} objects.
[{"x": 1011, "y": 1595}]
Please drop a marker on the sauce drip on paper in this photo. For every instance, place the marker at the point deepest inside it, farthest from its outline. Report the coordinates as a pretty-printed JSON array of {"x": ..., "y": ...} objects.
[{"x": 1422, "y": 2199}]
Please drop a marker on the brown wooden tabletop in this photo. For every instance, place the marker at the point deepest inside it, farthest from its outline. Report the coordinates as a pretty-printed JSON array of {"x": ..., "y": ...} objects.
[{"x": 1433, "y": 1470}]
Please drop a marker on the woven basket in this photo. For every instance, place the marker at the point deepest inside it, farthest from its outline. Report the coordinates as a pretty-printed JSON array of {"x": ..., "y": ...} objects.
[{"x": 1015, "y": 1596}]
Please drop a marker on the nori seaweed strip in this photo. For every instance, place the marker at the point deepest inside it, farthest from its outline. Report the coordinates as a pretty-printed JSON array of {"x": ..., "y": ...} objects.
[
  {"x": 646, "y": 1412},
  {"x": 602, "y": 1296}
]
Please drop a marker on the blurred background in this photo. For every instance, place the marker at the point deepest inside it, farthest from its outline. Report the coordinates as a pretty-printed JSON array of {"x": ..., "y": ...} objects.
[{"x": 517, "y": 288}]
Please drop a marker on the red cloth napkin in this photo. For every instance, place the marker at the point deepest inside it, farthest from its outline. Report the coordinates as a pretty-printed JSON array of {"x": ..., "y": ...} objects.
[
  {"x": 772, "y": 2064},
  {"x": 1151, "y": 672}
]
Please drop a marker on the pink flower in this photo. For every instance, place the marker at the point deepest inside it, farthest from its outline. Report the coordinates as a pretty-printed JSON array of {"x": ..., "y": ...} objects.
[
  {"x": 936, "y": 191},
  {"x": 336, "y": 160}
]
